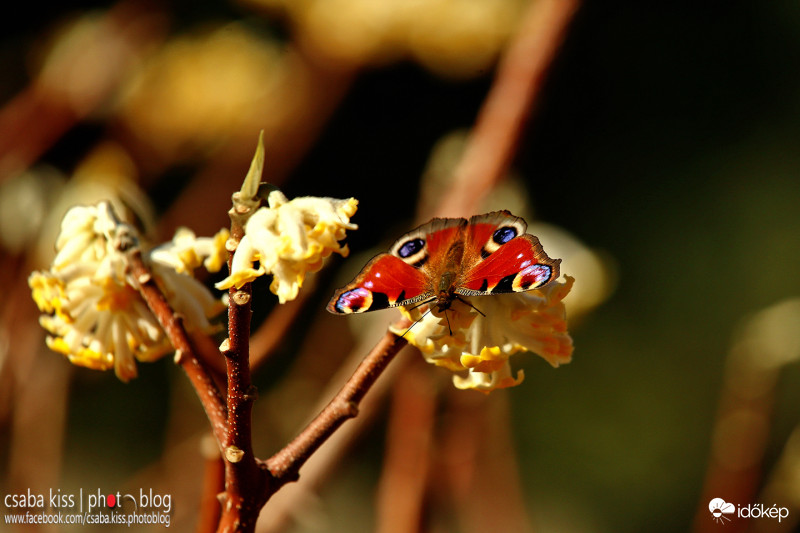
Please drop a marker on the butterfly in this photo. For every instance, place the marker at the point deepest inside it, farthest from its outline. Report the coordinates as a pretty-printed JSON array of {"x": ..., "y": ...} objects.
[{"x": 447, "y": 258}]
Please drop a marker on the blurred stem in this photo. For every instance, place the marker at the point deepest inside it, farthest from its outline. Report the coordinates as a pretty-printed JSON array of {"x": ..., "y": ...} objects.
[
  {"x": 274, "y": 328},
  {"x": 502, "y": 118},
  {"x": 33, "y": 120},
  {"x": 213, "y": 485},
  {"x": 480, "y": 463},
  {"x": 185, "y": 355},
  {"x": 401, "y": 490}
]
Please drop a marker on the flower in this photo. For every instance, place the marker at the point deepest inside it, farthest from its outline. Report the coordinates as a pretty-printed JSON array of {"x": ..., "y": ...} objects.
[
  {"x": 92, "y": 309},
  {"x": 288, "y": 239},
  {"x": 173, "y": 264},
  {"x": 186, "y": 252},
  {"x": 463, "y": 340}
]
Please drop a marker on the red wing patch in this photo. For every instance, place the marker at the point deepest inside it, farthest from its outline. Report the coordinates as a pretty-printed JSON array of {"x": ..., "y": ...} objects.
[
  {"x": 386, "y": 281},
  {"x": 518, "y": 265}
]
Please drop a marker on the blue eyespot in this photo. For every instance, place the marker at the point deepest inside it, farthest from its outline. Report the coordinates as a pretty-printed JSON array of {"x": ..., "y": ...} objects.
[
  {"x": 503, "y": 235},
  {"x": 411, "y": 247}
]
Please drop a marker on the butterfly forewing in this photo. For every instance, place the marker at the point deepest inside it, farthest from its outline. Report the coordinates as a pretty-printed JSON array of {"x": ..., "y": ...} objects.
[
  {"x": 486, "y": 233},
  {"x": 386, "y": 281},
  {"x": 426, "y": 246}
]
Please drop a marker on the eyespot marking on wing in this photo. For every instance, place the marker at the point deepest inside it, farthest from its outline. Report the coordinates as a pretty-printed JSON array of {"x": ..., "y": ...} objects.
[
  {"x": 502, "y": 235},
  {"x": 410, "y": 247},
  {"x": 505, "y": 234},
  {"x": 354, "y": 301}
]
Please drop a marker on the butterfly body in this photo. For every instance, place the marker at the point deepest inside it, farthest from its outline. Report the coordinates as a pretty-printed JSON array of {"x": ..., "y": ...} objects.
[{"x": 448, "y": 258}]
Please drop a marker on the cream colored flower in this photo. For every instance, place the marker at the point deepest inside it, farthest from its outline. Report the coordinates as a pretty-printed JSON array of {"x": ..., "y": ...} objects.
[
  {"x": 466, "y": 341},
  {"x": 186, "y": 252},
  {"x": 94, "y": 313},
  {"x": 288, "y": 239}
]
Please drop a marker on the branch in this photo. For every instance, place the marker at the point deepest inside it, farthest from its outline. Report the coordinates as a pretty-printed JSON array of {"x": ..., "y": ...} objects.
[
  {"x": 185, "y": 354},
  {"x": 291, "y": 499},
  {"x": 519, "y": 79},
  {"x": 285, "y": 465},
  {"x": 245, "y": 481}
]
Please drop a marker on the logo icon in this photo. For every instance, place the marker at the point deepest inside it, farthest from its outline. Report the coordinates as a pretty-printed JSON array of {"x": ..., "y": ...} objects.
[{"x": 719, "y": 508}]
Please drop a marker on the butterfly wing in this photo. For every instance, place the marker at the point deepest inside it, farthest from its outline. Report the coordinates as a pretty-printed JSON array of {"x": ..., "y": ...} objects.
[
  {"x": 489, "y": 254},
  {"x": 386, "y": 281},
  {"x": 405, "y": 275},
  {"x": 502, "y": 258}
]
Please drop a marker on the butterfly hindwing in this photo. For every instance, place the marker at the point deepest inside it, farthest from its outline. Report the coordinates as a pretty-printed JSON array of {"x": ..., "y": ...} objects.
[{"x": 386, "y": 281}]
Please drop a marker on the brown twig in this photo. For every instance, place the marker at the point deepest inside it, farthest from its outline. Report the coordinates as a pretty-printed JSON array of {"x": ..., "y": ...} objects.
[
  {"x": 519, "y": 79},
  {"x": 486, "y": 159},
  {"x": 245, "y": 481},
  {"x": 185, "y": 356},
  {"x": 246, "y": 488},
  {"x": 208, "y": 352},
  {"x": 285, "y": 464},
  {"x": 292, "y": 499}
]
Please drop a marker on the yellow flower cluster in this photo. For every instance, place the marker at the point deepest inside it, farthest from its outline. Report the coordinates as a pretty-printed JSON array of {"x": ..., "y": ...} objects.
[
  {"x": 201, "y": 88},
  {"x": 92, "y": 310},
  {"x": 458, "y": 38},
  {"x": 465, "y": 341},
  {"x": 288, "y": 239}
]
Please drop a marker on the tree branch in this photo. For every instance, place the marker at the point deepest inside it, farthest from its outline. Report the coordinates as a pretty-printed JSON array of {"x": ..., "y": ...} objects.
[
  {"x": 519, "y": 79},
  {"x": 284, "y": 465},
  {"x": 185, "y": 354},
  {"x": 245, "y": 481}
]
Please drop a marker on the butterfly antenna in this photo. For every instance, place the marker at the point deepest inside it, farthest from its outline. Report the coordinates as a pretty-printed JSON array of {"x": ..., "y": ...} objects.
[
  {"x": 415, "y": 322},
  {"x": 463, "y": 301}
]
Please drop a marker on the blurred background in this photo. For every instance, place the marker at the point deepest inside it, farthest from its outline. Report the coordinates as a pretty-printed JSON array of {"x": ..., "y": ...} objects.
[{"x": 660, "y": 161}]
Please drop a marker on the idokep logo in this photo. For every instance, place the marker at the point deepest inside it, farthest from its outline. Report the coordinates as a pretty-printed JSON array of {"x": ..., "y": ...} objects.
[
  {"x": 723, "y": 512},
  {"x": 719, "y": 508}
]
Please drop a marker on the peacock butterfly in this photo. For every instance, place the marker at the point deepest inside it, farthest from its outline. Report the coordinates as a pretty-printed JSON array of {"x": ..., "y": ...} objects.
[{"x": 447, "y": 258}]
